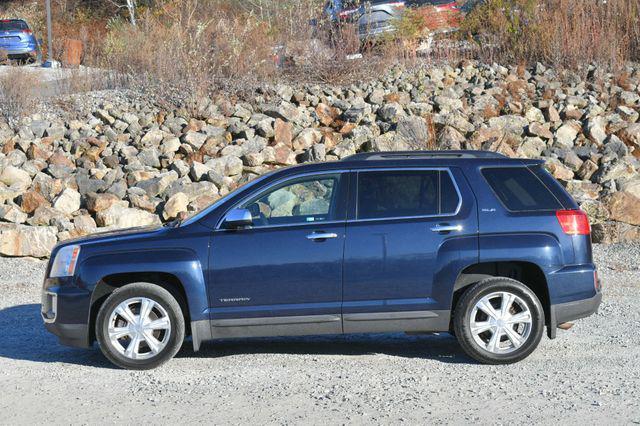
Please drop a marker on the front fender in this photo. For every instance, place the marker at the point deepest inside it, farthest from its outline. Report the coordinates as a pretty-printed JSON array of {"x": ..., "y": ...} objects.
[{"x": 183, "y": 264}]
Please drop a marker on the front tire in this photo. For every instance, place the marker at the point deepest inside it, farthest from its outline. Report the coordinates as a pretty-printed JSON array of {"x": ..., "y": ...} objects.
[
  {"x": 140, "y": 326},
  {"x": 499, "y": 321}
]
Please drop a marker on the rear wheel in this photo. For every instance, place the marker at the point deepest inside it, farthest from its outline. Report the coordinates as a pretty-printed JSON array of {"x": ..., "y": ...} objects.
[
  {"x": 140, "y": 326},
  {"x": 499, "y": 321}
]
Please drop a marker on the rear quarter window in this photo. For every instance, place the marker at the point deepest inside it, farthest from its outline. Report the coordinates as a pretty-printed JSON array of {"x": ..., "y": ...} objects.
[{"x": 519, "y": 189}]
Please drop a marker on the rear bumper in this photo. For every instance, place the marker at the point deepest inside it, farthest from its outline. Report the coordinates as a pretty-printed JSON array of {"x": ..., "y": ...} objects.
[
  {"x": 20, "y": 52},
  {"x": 571, "y": 311}
]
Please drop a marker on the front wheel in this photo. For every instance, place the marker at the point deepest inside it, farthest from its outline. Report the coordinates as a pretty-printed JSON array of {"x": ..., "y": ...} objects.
[
  {"x": 140, "y": 326},
  {"x": 499, "y": 321}
]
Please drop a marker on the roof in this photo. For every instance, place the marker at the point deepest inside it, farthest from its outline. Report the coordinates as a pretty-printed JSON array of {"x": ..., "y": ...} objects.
[{"x": 423, "y": 155}]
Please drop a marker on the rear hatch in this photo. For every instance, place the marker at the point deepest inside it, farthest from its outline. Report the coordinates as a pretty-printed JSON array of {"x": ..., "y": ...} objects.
[{"x": 14, "y": 33}]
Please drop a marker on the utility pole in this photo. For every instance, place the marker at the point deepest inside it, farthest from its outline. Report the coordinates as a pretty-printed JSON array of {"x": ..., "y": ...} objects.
[{"x": 50, "y": 63}]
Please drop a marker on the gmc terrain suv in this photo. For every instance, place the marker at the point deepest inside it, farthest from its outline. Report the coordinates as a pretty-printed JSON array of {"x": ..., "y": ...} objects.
[{"x": 489, "y": 248}]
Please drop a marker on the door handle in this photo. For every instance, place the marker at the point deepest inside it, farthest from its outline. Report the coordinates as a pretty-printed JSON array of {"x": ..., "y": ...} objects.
[
  {"x": 321, "y": 236},
  {"x": 446, "y": 228}
]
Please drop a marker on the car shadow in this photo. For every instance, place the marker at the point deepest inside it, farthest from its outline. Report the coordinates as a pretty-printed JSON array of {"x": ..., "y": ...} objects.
[
  {"x": 441, "y": 347},
  {"x": 24, "y": 337}
]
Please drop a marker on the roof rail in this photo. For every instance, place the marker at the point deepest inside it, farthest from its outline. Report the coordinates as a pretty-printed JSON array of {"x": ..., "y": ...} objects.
[{"x": 416, "y": 155}]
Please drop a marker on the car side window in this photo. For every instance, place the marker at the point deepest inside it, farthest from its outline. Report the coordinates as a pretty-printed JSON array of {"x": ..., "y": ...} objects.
[
  {"x": 304, "y": 200},
  {"x": 391, "y": 194}
]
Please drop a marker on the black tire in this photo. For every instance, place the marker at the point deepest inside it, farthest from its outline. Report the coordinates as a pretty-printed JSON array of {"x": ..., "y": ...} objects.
[
  {"x": 465, "y": 308},
  {"x": 166, "y": 304}
]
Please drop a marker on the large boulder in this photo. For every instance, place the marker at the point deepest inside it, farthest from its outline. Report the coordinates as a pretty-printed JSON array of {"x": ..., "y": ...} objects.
[
  {"x": 23, "y": 240},
  {"x": 68, "y": 201},
  {"x": 119, "y": 216},
  {"x": 623, "y": 207}
]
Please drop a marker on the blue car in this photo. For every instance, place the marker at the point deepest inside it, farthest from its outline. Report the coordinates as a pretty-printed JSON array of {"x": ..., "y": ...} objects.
[
  {"x": 489, "y": 248},
  {"x": 18, "y": 41}
]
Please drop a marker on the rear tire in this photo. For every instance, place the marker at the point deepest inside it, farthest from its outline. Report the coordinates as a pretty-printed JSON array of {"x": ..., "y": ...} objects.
[
  {"x": 498, "y": 321},
  {"x": 140, "y": 326}
]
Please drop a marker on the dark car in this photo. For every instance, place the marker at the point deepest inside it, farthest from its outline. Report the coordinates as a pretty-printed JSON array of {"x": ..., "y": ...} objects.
[
  {"x": 17, "y": 40},
  {"x": 490, "y": 248}
]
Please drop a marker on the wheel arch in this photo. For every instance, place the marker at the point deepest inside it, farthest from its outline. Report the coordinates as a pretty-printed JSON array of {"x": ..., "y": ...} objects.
[
  {"x": 528, "y": 273},
  {"x": 177, "y": 271}
]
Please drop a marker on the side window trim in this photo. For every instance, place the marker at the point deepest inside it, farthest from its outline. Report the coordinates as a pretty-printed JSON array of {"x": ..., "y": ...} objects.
[
  {"x": 354, "y": 198},
  {"x": 283, "y": 181}
]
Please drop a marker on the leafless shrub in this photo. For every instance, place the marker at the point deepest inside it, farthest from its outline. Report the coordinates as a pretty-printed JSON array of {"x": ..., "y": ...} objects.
[{"x": 18, "y": 93}]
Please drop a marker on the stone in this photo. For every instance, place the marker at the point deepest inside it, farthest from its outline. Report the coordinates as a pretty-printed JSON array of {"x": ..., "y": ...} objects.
[
  {"x": 68, "y": 201},
  {"x": 596, "y": 130},
  {"x": 119, "y": 216},
  {"x": 283, "y": 132},
  {"x": 23, "y": 240},
  {"x": 12, "y": 213},
  {"x": 551, "y": 114},
  {"x": 252, "y": 159},
  {"x": 390, "y": 141},
  {"x": 415, "y": 131},
  {"x": 31, "y": 200},
  {"x": 630, "y": 135},
  {"x": 197, "y": 171},
  {"x": 587, "y": 169},
  {"x": 513, "y": 124},
  {"x": 391, "y": 112},
  {"x": 153, "y": 137},
  {"x": 558, "y": 170},
  {"x": 283, "y": 155},
  {"x": 194, "y": 139},
  {"x": 15, "y": 177},
  {"x": 174, "y": 205},
  {"x": 316, "y": 153},
  {"x": 99, "y": 202},
  {"x": 540, "y": 130},
  {"x": 623, "y": 207},
  {"x": 84, "y": 225},
  {"x": 326, "y": 114},
  {"x": 306, "y": 139},
  {"x": 567, "y": 133},
  {"x": 450, "y": 138},
  {"x": 531, "y": 147}
]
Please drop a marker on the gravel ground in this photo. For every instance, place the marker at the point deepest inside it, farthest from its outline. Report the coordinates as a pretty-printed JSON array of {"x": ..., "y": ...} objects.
[{"x": 589, "y": 375}]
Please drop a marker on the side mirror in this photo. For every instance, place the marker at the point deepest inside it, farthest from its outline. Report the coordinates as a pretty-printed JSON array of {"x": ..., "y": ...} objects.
[
  {"x": 237, "y": 218},
  {"x": 40, "y": 42}
]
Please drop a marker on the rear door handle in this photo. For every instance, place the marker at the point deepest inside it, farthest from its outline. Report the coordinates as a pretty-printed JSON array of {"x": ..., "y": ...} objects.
[
  {"x": 321, "y": 236},
  {"x": 446, "y": 228}
]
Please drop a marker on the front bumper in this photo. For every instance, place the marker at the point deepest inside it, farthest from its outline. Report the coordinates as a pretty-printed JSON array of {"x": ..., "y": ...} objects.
[{"x": 65, "y": 312}]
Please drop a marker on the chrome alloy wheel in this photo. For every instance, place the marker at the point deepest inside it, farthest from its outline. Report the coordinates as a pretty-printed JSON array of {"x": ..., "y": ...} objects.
[
  {"x": 500, "y": 322},
  {"x": 139, "y": 328}
]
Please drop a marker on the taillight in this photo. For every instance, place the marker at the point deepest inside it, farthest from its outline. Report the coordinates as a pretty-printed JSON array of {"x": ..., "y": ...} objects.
[
  {"x": 27, "y": 31},
  {"x": 573, "y": 222}
]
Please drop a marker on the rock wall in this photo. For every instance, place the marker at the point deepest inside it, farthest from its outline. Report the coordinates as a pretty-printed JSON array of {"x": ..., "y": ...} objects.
[{"x": 123, "y": 163}]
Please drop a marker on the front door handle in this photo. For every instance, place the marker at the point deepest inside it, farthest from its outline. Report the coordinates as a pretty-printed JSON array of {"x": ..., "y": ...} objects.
[
  {"x": 446, "y": 228},
  {"x": 321, "y": 236}
]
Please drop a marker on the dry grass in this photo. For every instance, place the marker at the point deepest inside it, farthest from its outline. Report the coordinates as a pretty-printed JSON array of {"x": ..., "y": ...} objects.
[
  {"x": 203, "y": 47},
  {"x": 567, "y": 33},
  {"x": 19, "y": 93}
]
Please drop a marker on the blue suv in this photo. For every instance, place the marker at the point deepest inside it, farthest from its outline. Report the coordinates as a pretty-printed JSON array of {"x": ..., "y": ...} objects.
[
  {"x": 18, "y": 41},
  {"x": 489, "y": 248}
]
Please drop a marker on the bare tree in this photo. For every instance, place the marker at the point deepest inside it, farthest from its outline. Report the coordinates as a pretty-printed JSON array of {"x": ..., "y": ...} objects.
[{"x": 131, "y": 7}]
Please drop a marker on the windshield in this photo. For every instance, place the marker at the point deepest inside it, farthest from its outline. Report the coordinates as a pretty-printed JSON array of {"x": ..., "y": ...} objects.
[
  {"x": 13, "y": 25},
  {"x": 218, "y": 202}
]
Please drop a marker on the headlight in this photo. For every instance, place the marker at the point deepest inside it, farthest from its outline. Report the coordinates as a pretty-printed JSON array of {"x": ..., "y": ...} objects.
[{"x": 64, "y": 265}]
